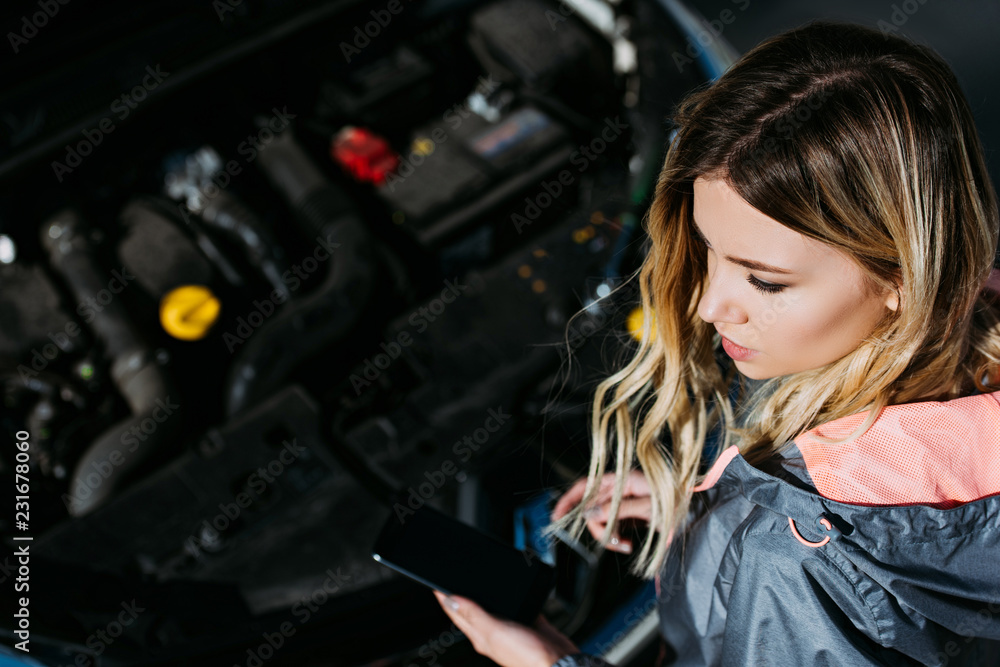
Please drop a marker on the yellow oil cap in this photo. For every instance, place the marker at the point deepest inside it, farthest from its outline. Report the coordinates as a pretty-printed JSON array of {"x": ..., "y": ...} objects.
[
  {"x": 189, "y": 311},
  {"x": 634, "y": 324}
]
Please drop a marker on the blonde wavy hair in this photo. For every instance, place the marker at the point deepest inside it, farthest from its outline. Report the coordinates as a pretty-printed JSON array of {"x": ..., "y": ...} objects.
[{"x": 860, "y": 140}]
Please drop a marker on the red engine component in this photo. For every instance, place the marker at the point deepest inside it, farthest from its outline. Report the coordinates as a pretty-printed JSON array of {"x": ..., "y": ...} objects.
[{"x": 363, "y": 154}]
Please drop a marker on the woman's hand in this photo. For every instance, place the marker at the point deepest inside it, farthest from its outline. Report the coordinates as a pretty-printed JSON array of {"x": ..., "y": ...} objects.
[
  {"x": 507, "y": 643},
  {"x": 635, "y": 504}
]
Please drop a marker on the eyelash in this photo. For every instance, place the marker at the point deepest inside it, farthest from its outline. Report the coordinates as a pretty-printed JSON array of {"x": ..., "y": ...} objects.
[
  {"x": 756, "y": 283},
  {"x": 766, "y": 288}
]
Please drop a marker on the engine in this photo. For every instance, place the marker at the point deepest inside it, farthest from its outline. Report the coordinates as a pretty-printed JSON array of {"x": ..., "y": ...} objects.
[{"x": 324, "y": 264}]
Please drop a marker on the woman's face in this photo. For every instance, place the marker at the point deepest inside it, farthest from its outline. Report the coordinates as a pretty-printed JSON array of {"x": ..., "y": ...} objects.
[{"x": 792, "y": 302}]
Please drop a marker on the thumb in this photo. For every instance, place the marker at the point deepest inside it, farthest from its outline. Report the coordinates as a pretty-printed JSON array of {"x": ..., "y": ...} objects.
[{"x": 466, "y": 607}]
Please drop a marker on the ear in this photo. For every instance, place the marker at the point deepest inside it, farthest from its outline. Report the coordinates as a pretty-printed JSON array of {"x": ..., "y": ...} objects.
[{"x": 892, "y": 297}]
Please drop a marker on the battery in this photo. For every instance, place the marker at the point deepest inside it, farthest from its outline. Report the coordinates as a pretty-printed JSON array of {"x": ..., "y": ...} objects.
[{"x": 458, "y": 170}]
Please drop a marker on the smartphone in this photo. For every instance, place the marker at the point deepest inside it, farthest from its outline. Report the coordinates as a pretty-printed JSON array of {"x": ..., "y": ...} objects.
[{"x": 455, "y": 558}]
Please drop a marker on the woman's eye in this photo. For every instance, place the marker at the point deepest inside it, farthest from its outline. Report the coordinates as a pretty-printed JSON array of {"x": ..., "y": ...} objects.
[
  {"x": 766, "y": 288},
  {"x": 759, "y": 285}
]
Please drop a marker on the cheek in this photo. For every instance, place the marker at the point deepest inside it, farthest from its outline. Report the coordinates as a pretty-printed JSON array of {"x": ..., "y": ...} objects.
[
  {"x": 808, "y": 333},
  {"x": 782, "y": 318},
  {"x": 821, "y": 328}
]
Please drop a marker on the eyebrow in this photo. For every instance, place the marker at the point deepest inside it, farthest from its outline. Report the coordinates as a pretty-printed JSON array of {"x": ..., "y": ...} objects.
[{"x": 748, "y": 263}]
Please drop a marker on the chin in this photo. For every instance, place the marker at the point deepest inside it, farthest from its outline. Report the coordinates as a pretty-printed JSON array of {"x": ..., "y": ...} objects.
[{"x": 754, "y": 373}]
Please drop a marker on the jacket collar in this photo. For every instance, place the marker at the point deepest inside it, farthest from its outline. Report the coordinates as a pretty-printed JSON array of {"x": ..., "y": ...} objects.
[
  {"x": 930, "y": 470},
  {"x": 939, "y": 453}
]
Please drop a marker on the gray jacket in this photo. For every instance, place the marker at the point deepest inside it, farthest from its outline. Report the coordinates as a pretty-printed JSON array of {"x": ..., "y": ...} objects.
[{"x": 861, "y": 583}]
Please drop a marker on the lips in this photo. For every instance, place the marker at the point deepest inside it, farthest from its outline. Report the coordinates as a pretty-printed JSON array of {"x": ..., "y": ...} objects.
[
  {"x": 735, "y": 344},
  {"x": 736, "y": 351}
]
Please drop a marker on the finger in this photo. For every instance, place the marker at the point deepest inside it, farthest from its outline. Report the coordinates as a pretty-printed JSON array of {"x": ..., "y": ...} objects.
[
  {"x": 456, "y": 616},
  {"x": 471, "y": 632},
  {"x": 629, "y": 508},
  {"x": 443, "y": 601},
  {"x": 596, "y": 528},
  {"x": 469, "y": 611},
  {"x": 636, "y": 484},
  {"x": 615, "y": 543},
  {"x": 638, "y": 508},
  {"x": 573, "y": 497}
]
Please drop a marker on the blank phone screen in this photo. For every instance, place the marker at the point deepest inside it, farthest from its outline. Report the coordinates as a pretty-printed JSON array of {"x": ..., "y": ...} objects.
[{"x": 456, "y": 558}]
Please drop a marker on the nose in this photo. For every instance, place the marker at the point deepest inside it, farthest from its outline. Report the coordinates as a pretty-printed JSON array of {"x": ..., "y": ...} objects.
[{"x": 719, "y": 303}]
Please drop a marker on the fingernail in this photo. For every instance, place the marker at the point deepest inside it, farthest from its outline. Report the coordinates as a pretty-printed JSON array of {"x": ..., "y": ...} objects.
[
  {"x": 450, "y": 601},
  {"x": 625, "y": 547},
  {"x": 592, "y": 512}
]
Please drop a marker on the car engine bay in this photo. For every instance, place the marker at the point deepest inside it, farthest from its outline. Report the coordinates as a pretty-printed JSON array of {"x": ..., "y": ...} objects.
[{"x": 326, "y": 263}]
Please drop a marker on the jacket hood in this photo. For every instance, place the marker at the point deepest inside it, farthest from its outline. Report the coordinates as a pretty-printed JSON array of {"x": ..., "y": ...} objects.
[{"x": 910, "y": 511}]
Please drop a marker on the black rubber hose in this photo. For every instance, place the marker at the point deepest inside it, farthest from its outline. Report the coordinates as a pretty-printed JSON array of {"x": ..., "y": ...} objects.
[
  {"x": 230, "y": 216},
  {"x": 119, "y": 450},
  {"x": 307, "y": 325}
]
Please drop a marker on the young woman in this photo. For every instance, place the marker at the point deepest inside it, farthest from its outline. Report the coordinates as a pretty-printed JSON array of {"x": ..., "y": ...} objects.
[{"x": 832, "y": 474}]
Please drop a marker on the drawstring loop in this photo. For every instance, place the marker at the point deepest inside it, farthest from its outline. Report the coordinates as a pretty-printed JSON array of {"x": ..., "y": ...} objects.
[{"x": 823, "y": 524}]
